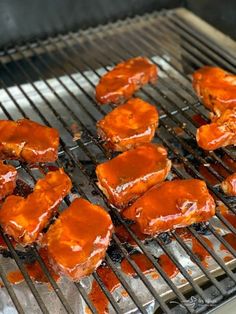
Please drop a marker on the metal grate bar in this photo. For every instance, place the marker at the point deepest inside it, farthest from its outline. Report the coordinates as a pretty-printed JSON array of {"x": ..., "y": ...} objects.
[
  {"x": 110, "y": 264},
  {"x": 191, "y": 134},
  {"x": 182, "y": 142},
  {"x": 24, "y": 73},
  {"x": 208, "y": 56},
  {"x": 143, "y": 278},
  {"x": 55, "y": 287},
  {"x": 215, "y": 173},
  {"x": 24, "y": 115},
  {"x": 128, "y": 39},
  {"x": 25, "y": 274},
  {"x": 50, "y": 69},
  {"x": 188, "y": 276},
  {"x": 225, "y": 166},
  {"x": 10, "y": 291},
  {"x": 126, "y": 287},
  {"x": 198, "y": 262},
  {"x": 183, "y": 270},
  {"x": 199, "y": 37},
  {"x": 145, "y": 43},
  {"x": 141, "y": 275},
  {"x": 36, "y": 254}
]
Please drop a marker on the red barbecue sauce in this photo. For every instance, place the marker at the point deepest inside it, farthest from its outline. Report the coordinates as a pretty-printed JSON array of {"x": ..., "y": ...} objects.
[
  {"x": 35, "y": 271},
  {"x": 199, "y": 120},
  {"x": 111, "y": 282},
  {"x": 125, "y": 237},
  {"x": 197, "y": 248},
  {"x": 218, "y": 168},
  {"x": 231, "y": 239},
  {"x": 228, "y": 215}
]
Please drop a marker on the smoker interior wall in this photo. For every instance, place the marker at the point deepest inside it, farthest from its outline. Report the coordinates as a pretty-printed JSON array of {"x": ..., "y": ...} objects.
[
  {"x": 29, "y": 19},
  {"x": 219, "y": 13}
]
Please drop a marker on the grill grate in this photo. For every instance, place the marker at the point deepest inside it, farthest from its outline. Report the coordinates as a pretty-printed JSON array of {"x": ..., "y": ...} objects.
[{"x": 53, "y": 82}]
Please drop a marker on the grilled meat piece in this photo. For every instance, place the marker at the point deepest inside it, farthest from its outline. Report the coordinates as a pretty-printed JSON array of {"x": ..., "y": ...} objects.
[
  {"x": 77, "y": 241},
  {"x": 8, "y": 176},
  {"x": 229, "y": 185},
  {"x": 24, "y": 218},
  {"x": 129, "y": 125},
  {"x": 28, "y": 141},
  {"x": 216, "y": 88},
  {"x": 124, "y": 79},
  {"x": 170, "y": 205},
  {"x": 220, "y": 133},
  {"x": 124, "y": 178}
]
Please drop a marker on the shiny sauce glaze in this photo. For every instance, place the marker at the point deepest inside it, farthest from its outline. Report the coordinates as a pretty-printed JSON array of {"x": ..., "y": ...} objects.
[
  {"x": 24, "y": 218},
  {"x": 111, "y": 282},
  {"x": 8, "y": 175},
  {"x": 124, "y": 79},
  {"x": 28, "y": 141},
  {"x": 229, "y": 185},
  {"x": 216, "y": 88},
  {"x": 171, "y": 205},
  {"x": 127, "y": 176},
  {"x": 129, "y": 125},
  {"x": 231, "y": 239},
  {"x": 78, "y": 240},
  {"x": 220, "y": 133},
  {"x": 35, "y": 271},
  {"x": 196, "y": 247}
]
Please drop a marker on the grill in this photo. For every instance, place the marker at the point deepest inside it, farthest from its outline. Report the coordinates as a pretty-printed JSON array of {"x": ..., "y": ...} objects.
[{"x": 53, "y": 82}]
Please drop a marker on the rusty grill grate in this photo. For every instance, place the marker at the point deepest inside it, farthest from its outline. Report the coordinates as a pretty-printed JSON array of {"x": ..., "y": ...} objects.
[{"x": 53, "y": 82}]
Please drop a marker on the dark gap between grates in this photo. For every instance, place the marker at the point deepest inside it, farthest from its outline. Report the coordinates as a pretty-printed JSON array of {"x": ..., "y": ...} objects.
[{"x": 129, "y": 39}]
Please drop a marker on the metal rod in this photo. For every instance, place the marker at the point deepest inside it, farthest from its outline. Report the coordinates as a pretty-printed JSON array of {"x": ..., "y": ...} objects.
[
  {"x": 53, "y": 54},
  {"x": 10, "y": 291}
]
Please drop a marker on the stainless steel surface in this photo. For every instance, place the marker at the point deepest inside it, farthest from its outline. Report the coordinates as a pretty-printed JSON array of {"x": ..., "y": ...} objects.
[
  {"x": 53, "y": 82},
  {"x": 226, "y": 307}
]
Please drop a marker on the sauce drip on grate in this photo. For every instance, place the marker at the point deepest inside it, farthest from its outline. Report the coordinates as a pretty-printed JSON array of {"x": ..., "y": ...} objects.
[{"x": 111, "y": 282}]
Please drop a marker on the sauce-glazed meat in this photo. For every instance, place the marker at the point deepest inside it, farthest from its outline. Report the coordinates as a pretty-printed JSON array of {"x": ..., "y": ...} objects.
[
  {"x": 28, "y": 141},
  {"x": 129, "y": 125},
  {"x": 24, "y": 218},
  {"x": 123, "y": 80},
  {"x": 8, "y": 176},
  {"x": 229, "y": 185},
  {"x": 127, "y": 176},
  {"x": 216, "y": 88},
  {"x": 77, "y": 241},
  {"x": 220, "y": 133},
  {"x": 170, "y": 205}
]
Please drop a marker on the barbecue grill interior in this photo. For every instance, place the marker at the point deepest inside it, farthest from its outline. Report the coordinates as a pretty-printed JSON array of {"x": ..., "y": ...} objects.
[{"x": 53, "y": 83}]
